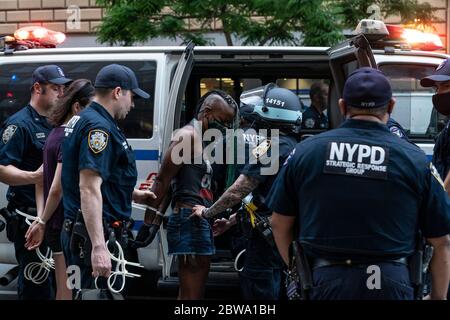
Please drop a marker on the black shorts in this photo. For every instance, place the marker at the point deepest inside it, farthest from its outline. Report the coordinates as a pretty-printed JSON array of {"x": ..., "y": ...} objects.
[{"x": 53, "y": 240}]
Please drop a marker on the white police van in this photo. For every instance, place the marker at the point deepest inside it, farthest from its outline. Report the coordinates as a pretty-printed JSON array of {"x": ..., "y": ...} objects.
[{"x": 176, "y": 77}]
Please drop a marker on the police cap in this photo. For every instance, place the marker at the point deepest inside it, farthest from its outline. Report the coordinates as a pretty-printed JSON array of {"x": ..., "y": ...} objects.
[
  {"x": 116, "y": 75},
  {"x": 367, "y": 88},
  {"x": 50, "y": 73},
  {"x": 442, "y": 73}
]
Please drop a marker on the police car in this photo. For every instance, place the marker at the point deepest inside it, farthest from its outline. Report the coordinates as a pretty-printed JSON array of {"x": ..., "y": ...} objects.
[{"x": 176, "y": 77}]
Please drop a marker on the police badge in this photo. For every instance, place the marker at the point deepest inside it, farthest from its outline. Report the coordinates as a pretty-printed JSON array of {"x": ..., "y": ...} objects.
[
  {"x": 97, "y": 140},
  {"x": 309, "y": 123},
  {"x": 261, "y": 149},
  {"x": 8, "y": 133}
]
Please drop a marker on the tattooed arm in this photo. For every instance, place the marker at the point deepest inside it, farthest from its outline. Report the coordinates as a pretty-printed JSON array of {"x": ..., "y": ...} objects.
[{"x": 232, "y": 196}]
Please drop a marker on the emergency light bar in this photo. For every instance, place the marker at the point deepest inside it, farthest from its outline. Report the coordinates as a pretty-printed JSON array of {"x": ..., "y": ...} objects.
[
  {"x": 381, "y": 35},
  {"x": 32, "y": 37}
]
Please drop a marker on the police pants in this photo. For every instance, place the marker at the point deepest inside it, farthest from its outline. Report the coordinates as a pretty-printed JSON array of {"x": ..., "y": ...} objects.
[
  {"x": 363, "y": 282},
  {"x": 26, "y": 289},
  {"x": 261, "y": 277}
]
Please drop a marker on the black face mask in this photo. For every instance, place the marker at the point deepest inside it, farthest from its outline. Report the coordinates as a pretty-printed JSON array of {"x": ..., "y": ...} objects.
[
  {"x": 441, "y": 102},
  {"x": 214, "y": 124}
]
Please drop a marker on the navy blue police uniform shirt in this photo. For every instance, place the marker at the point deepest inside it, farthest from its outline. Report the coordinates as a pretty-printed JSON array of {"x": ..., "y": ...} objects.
[
  {"x": 23, "y": 137},
  {"x": 441, "y": 152},
  {"x": 359, "y": 191},
  {"x": 397, "y": 129},
  {"x": 313, "y": 119},
  {"x": 94, "y": 141},
  {"x": 260, "y": 150}
]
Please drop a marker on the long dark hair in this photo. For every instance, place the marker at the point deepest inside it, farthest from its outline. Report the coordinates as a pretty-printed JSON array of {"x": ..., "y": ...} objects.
[{"x": 80, "y": 91}]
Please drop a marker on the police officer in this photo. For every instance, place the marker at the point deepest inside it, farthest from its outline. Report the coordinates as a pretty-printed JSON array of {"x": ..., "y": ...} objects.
[
  {"x": 314, "y": 116},
  {"x": 379, "y": 191},
  {"x": 99, "y": 174},
  {"x": 440, "y": 80},
  {"x": 261, "y": 108},
  {"x": 23, "y": 137}
]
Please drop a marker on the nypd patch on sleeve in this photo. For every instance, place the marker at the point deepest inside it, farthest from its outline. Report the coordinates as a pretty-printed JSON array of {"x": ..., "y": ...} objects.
[
  {"x": 97, "y": 140},
  {"x": 353, "y": 159},
  {"x": 396, "y": 131},
  {"x": 8, "y": 133}
]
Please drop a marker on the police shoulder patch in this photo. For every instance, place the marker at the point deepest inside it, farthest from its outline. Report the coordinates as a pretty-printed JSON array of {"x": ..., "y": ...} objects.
[
  {"x": 396, "y": 131},
  {"x": 97, "y": 140},
  {"x": 436, "y": 175},
  {"x": 261, "y": 149},
  {"x": 8, "y": 133}
]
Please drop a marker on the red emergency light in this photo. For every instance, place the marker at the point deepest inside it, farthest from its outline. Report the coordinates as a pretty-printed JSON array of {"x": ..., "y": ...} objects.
[
  {"x": 45, "y": 37},
  {"x": 383, "y": 35},
  {"x": 417, "y": 39}
]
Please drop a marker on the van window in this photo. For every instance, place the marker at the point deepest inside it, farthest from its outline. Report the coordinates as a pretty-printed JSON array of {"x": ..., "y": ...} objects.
[
  {"x": 15, "y": 83},
  {"x": 413, "y": 108},
  {"x": 301, "y": 88},
  {"x": 233, "y": 87}
]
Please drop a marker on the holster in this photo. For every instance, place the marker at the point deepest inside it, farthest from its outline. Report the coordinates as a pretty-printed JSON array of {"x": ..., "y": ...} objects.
[
  {"x": 13, "y": 222},
  {"x": 80, "y": 243},
  {"x": 120, "y": 232},
  {"x": 418, "y": 266},
  {"x": 301, "y": 275}
]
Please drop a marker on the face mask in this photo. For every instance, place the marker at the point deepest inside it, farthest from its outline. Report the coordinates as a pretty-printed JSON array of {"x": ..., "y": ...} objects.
[
  {"x": 214, "y": 124},
  {"x": 442, "y": 103}
]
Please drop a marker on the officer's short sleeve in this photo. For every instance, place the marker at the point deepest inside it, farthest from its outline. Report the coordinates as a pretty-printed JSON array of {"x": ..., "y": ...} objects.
[
  {"x": 435, "y": 213},
  {"x": 283, "y": 194},
  {"x": 96, "y": 152},
  {"x": 252, "y": 165},
  {"x": 13, "y": 142}
]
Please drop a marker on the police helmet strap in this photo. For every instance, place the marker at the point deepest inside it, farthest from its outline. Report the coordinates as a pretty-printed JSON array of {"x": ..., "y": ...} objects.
[{"x": 267, "y": 88}]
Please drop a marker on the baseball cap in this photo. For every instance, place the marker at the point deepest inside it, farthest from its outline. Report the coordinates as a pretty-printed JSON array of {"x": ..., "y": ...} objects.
[
  {"x": 50, "y": 73},
  {"x": 116, "y": 75},
  {"x": 442, "y": 73},
  {"x": 367, "y": 88}
]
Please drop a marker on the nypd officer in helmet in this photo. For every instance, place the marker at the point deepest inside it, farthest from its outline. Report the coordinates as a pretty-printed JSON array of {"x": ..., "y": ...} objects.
[
  {"x": 23, "y": 137},
  {"x": 268, "y": 107},
  {"x": 379, "y": 190},
  {"x": 99, "y": 174}
]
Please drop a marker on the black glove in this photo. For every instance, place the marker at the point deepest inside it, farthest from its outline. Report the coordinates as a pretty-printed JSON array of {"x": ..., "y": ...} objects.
[{"x": 145, "y": 235}]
